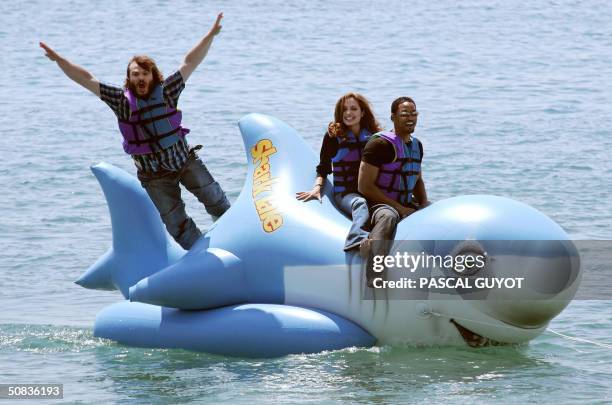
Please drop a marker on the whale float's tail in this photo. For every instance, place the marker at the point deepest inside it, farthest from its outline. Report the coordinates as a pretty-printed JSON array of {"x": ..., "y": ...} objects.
[{"x": 141, "y": 246}]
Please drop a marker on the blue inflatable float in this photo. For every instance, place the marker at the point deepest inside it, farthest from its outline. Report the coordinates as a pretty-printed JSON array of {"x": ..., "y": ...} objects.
[{"x": 270, "y": 277}]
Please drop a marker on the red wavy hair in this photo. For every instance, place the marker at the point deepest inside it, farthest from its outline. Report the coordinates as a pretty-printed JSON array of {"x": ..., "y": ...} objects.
[{"x": 368, "y": 121}]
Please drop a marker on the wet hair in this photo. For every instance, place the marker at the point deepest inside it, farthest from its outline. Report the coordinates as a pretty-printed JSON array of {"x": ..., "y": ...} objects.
[
  {"x": 368, "y": 121},
  {"x": 148, "y": 64},
  {"x": 400, "y": 100}
]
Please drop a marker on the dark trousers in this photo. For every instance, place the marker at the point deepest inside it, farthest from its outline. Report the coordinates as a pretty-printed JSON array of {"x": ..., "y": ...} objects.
[
  {"x": 164, "y": 190},
  {"x": 384, "y": 223}
]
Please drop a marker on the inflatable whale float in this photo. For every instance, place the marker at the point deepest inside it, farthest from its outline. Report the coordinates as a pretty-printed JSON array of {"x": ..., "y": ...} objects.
[{"x": 270, "y": 277}]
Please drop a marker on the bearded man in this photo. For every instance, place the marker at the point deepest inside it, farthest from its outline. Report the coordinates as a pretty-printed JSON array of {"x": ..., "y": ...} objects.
[{"x": 150, "y": 123}]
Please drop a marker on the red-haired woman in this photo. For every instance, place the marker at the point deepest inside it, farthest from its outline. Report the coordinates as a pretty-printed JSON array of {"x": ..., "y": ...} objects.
[{"x": 343, "y": 143}]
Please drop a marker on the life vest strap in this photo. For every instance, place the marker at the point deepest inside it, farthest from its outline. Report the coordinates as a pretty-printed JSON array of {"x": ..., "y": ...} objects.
[
  {"x": 403, "y": 174},
  {"x": 408, "y": 160},
  {"x": 349, "y": 183},
  {"x": 148, "y": 108},
  {"x": 346, "y": 165},
  {"x": 401, "y": 191},
  {"x": 149, "y": 120},
  {"x": 155, "y": 138}
]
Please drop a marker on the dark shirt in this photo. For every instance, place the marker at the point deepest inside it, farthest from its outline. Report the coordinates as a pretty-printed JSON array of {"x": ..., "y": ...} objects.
[
  {"x": 329, "y": 149},
  {"x": 379, "y": 151}
]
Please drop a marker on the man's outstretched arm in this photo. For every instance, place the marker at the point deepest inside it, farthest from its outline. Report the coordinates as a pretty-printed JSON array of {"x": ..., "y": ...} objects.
[
  {"x": 196, "y": 55},
  {"x": 75, "y": 72}
]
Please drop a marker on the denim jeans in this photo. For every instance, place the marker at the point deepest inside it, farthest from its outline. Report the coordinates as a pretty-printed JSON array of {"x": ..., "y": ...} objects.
[
  {"x": 164, "y": 190},
  {"x": 356, "y": 207}
]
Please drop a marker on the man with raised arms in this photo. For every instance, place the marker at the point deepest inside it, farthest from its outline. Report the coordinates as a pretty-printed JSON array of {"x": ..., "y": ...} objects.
[
  {"x": 150, "y": 123},
  {"x": 390, "y": 177}
]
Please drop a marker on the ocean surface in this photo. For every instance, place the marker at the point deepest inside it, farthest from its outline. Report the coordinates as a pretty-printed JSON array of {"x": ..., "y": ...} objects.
[{"x": 515, "y": 99}]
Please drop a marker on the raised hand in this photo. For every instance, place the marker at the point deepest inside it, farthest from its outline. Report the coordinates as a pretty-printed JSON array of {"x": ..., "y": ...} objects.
[
  {"x": 216, "y": 28},
  {"x": 196, "y": 55},
  {"x": 75, "y": 72},
  {"x": 49, "y": 53}
]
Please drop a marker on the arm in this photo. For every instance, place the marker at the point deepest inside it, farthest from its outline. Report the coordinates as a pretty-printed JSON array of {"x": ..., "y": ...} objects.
[
  {"x": 196, "y": 55},
  {"x": 74, "y": 72},
  {"x": 368, "y": 174},
  {"x": 419, "y": 192},
  {"x": 329, "y": 148}
]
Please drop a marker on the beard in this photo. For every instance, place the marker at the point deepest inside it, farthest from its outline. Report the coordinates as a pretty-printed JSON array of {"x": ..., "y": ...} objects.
[{"x": 146, "y": 95}]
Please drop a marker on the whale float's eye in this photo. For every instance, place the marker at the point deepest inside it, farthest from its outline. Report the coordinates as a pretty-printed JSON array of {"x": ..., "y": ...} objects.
[{"x": 469, "y": 257}]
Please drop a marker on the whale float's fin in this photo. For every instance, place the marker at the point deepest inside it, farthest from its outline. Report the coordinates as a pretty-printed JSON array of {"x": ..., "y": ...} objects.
[
  {"x": 291, "y": 157},
  {"x": 279, "y": 164},
  {"x": 141, "y": 246},
  {"x": 98, "y": 276},
  {"x": 203, "y": 278}
]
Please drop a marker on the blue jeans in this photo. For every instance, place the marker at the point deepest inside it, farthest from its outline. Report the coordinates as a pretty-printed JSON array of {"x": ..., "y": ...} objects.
[
  {"x": 164, "y": 190},
  {"x": 356, "y": 207}
]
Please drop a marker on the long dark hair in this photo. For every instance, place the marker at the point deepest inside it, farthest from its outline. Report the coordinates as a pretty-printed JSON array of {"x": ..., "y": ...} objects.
[{"x": 368, "y": 121}]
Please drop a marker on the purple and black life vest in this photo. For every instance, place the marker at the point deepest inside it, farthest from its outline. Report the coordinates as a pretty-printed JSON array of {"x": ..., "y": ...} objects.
[
  {"x": 153, "y": 124},
  {"x": 345, "y": 164},
  {"x": 398, "y": 178}
]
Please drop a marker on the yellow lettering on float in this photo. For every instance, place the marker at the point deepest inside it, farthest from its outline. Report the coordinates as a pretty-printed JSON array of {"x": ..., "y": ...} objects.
[
  {"x": 263, "y": 182},
  {"x": 261, "y": 170},
  {"x": 262, "y": 149},
  {"x": 263, "y": 186},
  {"x": 264, "y": 205},
  {"x": 272, "y": 222}
]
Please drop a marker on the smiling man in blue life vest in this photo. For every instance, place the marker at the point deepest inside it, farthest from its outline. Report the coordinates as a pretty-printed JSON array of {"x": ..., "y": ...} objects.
[
  {"x": 146, "y": 108},
  {"x": 390, "y": 178}
]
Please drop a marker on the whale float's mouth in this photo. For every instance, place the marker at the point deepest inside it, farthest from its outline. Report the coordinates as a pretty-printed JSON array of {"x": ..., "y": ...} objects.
[{"x": 473, "y": 339}]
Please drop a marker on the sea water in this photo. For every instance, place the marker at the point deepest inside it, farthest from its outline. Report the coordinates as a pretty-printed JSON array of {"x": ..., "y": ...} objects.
[{"x": 515, "y": 99}]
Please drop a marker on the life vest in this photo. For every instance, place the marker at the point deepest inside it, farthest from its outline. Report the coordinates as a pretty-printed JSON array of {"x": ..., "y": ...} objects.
[
  {"x": 345, "y": 165},
  {"x": 153, "y": 125},
  {"x": 398, "y": 178}
]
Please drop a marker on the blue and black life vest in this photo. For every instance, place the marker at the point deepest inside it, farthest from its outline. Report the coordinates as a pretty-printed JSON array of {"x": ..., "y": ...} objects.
[
  {"x": 345, "y": 165},
  {"x": 398, "y": 178},
  {"x": 153, "y": 125}
]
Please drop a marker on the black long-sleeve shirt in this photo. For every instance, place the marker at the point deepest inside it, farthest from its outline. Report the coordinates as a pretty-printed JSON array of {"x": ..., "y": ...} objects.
[{"x": 329, "y": 149}]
